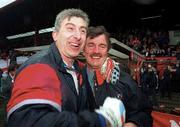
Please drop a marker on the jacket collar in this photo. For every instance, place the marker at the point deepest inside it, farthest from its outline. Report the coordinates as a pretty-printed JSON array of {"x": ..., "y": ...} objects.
[{"x": 59, "y": 61}]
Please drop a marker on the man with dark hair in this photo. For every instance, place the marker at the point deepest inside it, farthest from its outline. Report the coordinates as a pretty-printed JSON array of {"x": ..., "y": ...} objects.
[{"x": 114, "y": 84}]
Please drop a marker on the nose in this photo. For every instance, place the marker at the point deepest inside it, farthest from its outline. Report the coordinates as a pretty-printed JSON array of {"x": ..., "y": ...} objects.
[
  {"x": 77, "y": 35},
  {"x": 96, "y": 49}
]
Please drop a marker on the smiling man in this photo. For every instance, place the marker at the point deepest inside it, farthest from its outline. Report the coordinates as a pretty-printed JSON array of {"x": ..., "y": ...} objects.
[
  {"x": 138, "y": 112},
  {"x": 97, "y": 51}
]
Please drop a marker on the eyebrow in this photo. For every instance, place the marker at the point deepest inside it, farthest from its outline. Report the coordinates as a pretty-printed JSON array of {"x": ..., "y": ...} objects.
[{"x": 75, "y": 25}]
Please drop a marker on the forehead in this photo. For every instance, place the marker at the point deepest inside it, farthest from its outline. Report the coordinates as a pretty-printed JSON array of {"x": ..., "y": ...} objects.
[
  {"x": 101, "y": 39},
  {"x": 77, "y": 21}
]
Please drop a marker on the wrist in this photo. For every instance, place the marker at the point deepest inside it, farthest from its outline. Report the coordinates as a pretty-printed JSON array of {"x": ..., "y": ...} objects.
[{"x": 102, "y": 120}]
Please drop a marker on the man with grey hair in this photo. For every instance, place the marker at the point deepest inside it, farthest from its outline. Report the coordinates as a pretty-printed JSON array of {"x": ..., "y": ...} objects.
[{"x": 49, "y": 88}]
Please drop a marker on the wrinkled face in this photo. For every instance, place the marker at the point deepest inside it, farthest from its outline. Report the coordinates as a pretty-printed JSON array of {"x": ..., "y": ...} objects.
[
  {"x": 96, "y": 51},
  {"x": 71, "y": 37}
]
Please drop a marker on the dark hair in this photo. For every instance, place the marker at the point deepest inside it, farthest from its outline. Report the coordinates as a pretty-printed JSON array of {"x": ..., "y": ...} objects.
[
  {"x": 12, "y": 67},
  {"x": 99, "y": 30}
]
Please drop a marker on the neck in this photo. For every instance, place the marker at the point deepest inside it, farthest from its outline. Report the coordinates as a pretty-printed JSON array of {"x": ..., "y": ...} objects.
[
  {"x": 68, "y": 61},
  {"x": 92, "y": 68}
]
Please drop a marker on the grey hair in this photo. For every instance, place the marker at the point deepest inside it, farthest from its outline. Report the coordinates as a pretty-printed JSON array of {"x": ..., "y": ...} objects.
[{"x": 68, "y": 13}]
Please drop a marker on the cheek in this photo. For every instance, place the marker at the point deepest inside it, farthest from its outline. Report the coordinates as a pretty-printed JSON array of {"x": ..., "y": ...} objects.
[
  {"x": 86, "y": 54},
  {"x": 104, "y": 53},
  {"x": 86, "y": 51},
  {"x": 83, "y": 45}
]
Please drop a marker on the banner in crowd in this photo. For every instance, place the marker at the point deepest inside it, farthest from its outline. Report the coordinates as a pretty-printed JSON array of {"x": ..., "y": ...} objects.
[{"x": 165, "y": 120}]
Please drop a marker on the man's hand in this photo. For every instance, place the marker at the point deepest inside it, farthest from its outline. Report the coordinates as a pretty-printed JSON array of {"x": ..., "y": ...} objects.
[
  {"x": 110, "y": 70},
  {"x": 107, "y": 68},
  {"x": 130, "y": 124},
  {"x": 113, "y": 111}
]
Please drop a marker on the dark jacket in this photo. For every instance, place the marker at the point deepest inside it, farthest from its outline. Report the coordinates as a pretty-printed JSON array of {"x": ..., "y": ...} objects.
[
  {"x": 138, "y": 109},
  {"x": 44, "y": 95},
  {"x": 6, "y": 84}
]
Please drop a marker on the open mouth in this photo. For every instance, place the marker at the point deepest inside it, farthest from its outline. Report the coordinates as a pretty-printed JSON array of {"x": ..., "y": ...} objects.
[
  {"x": 95, "y": 57},
  {"x": 75, "y": 45}
]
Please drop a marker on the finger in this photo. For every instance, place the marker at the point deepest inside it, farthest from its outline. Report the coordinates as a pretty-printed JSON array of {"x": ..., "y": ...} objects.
[{"x": 109, "y": 75}]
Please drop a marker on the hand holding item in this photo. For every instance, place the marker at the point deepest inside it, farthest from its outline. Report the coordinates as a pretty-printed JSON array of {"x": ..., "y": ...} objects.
[
  {"x": 109, "y": 72},
  {"x": 113, "y": 111},
  {"x": 107, "y": 68}
]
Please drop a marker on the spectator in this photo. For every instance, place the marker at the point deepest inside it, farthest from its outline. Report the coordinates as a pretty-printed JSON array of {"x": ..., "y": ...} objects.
[
  {"x": 7, "y": 84},
  {"x": 166, "y": 82},
  {"x": 1, "y": 72},
  {"x": 8, "y": 80}
]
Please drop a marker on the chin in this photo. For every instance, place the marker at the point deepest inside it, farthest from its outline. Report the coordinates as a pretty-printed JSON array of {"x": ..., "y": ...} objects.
[
  {"x": 96, "y": 66},
  {"x": 75, "y": 54}
]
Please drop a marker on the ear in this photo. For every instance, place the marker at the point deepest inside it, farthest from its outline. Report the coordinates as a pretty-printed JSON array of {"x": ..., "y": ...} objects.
[{"x": 54, "y": 35}]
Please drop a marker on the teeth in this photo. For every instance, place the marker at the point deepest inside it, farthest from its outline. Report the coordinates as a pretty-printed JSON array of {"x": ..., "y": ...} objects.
[
  {"x": 75, "y": 44},
  {"x": 95, "y": 57}
]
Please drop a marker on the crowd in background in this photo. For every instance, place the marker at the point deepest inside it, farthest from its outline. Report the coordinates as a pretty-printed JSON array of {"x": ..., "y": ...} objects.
[{"x": 148, "y": 42}]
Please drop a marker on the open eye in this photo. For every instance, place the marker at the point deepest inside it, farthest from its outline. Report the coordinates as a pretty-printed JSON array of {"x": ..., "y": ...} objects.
[
  {"x": 83, "y": 31},
  {"x": 69, "y": 28}
]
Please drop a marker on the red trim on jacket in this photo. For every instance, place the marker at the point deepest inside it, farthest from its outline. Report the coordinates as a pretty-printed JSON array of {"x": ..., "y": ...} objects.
[{"x": 37, "y": 81}]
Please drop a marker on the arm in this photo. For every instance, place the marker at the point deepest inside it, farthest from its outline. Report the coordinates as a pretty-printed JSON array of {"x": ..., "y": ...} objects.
[
  {"x": 138, "y": 107},
  {"x": 46, "y": 116}
]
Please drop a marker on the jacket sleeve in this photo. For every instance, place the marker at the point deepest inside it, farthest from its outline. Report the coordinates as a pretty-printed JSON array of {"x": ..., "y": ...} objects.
[
  {"x": 137, "y": 106},
  {"x": 46, "y": 116},
  {"x": 139, "y": 110}
]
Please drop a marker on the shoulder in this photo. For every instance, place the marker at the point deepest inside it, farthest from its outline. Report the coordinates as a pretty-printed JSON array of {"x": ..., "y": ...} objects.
[
  {"x": 126, "y": 78},
  {"x": 39, "y": 57},
  {"x": 36, "y": 76},
  {"x": 37, "y": 69},
  {"x": 128, "y": 81}
]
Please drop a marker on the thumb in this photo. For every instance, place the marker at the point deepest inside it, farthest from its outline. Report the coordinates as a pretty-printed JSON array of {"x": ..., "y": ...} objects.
[{"x": 107, "y": 67}]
